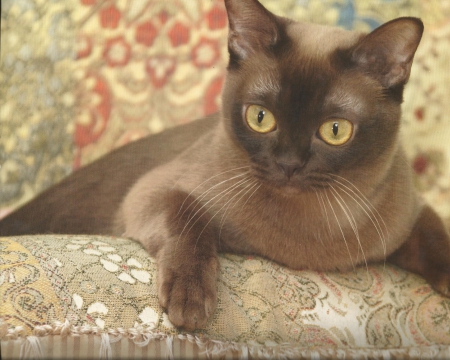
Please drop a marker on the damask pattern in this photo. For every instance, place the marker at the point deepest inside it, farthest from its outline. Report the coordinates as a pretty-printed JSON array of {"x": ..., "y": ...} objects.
[
  {"x": 109, "y": 283},
  {"x": 82, "y": 77}
]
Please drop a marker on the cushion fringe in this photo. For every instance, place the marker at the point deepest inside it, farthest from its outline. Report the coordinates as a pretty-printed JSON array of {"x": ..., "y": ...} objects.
[{"x": 141, "y": 336}]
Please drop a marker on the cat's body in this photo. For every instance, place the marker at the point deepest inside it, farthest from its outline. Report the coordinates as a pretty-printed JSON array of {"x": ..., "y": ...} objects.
[{"x": 303, "y": 166}]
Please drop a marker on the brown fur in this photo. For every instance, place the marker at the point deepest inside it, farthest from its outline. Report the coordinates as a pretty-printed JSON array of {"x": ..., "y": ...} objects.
[{"x": 285, "y": 195}]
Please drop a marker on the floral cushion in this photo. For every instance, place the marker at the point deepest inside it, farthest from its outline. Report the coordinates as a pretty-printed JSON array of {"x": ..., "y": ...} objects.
[
  {"x": 97, "y": 295},
  {"x": 81, "y": 77}
]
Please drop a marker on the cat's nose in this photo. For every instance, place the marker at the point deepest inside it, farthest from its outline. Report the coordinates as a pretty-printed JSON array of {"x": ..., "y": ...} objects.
[{"x": 289, "y": 168}]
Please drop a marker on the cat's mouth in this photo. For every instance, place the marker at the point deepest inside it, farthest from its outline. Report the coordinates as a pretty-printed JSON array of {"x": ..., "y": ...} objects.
[{"x": 296, "y": 184}]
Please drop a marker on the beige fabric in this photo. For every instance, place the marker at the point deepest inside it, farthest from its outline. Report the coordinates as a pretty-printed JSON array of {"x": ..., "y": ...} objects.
[
  {"x": 92, "y": 286},
  {"x": 79, "y": 78}
]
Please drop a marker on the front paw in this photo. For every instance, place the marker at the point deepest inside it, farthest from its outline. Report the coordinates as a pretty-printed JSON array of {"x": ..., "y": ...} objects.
[
  {"x": 440, "y": 281},
  {"x": 188, "y": 295}
]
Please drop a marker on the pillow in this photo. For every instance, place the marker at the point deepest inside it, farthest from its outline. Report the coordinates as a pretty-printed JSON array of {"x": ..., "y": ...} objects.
[{"x": 93, "y": 296}]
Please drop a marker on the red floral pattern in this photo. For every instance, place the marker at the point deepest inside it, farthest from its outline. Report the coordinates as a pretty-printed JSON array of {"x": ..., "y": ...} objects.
[
  {"x": 170, "y": 57},
  {"x": 117, "y": 52},
  {"x": 109, "y": 17},
  {"x": 146, "y": 33}
]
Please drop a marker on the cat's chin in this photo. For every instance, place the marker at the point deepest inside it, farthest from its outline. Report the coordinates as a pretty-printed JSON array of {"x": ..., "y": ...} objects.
[{"x": 292, "y": 188}]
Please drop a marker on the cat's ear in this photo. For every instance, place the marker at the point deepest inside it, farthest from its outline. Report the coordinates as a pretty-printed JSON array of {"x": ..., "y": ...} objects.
[
  {"x": 252, "y": 28},
  {"x": 388, "y": 51}
]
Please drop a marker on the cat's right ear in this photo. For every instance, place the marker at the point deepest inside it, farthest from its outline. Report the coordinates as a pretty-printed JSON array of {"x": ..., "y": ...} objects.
[
  {"x": 252, "y": 28},
  {"x": 388, "y": 51}
]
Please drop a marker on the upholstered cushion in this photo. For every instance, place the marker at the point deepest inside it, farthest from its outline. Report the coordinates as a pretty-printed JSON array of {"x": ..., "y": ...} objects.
[
  {"x": 82, "y": 77},
  {"x": 96, "y": 296}
]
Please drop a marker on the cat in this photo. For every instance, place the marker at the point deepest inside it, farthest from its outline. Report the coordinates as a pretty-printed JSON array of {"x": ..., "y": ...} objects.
[{"x": 303, "y": 166}]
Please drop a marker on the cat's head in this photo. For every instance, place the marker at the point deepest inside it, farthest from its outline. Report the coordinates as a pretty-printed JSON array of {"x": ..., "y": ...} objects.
[{"x": 303, "y": 100}]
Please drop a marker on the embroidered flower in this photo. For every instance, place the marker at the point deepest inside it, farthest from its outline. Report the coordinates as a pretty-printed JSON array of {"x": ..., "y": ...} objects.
[
  {"x": 90, "y": 247},
  {"x": 254, "y": 314},
  {"x": 128, "y": 270}
]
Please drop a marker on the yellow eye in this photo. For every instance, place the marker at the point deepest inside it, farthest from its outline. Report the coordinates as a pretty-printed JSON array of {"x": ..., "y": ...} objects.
[
  {"x": 260, "y": 119},
  {"x": 336, "y": 131}
]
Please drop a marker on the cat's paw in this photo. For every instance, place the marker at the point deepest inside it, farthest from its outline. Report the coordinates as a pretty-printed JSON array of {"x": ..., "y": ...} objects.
[
  {"x": 440, "y": 281},
  {"x": 190, "y": 298}
]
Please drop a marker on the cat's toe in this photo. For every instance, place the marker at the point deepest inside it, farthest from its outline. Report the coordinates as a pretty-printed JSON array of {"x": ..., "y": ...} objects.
[
  {"x": 191, "y": 303},
  {"x": 442, "y": 285}
]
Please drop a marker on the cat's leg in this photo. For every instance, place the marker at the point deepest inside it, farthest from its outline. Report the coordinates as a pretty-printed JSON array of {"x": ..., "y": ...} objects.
[
  {"x": 427, "y": 251},
  {"x": 187, "y": 262}
]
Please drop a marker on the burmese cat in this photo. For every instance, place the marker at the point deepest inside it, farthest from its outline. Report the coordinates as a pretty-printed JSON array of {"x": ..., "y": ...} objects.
[{"x": 303, "y": 166}]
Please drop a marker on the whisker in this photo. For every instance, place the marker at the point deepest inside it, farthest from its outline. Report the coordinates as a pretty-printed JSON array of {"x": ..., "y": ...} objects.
[
  {"x": 217, "y": 212},
  {"x": 323, "y": 211},
  {"x": 351, "y": 220},
  {"x": 326, "y": 215},
  {"x": 203, "y": 195},
  {"x": 367, "y": 201},
  {"x": 251, "y": 195},
  {"x": 212, "y": 177},
  {"x": 342, "y": 232},
  {"x": 186, "y": 173},
  {"x": 371, "y": 216},
  {"x": 251, "y": 185},
  {"x": 221, "y": 194}
]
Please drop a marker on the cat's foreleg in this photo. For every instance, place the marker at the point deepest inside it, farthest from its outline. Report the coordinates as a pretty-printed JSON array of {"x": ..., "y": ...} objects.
[
  {"x": 427, "y": 251},
  {"x": 187, "y": 262}
]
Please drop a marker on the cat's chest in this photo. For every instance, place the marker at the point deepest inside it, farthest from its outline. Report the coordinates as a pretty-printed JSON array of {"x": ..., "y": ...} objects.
[{"x": 309, "y": 231}]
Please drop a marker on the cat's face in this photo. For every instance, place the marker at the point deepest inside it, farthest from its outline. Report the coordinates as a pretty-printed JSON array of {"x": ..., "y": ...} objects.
[{"x": 306, "y": 101}]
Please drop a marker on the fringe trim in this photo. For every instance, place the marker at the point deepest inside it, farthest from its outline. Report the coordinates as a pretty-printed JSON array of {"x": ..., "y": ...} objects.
[{"x": 141, "y": 336}]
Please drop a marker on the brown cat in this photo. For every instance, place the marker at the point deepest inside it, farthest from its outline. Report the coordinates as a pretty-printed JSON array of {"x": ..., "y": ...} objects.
[{"x": 303, "y": 166}]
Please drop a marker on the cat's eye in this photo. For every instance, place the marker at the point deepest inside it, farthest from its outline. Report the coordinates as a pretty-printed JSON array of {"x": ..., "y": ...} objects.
[
  {"x": 336, "y": 132},
  {"x": 260, "y": 119}
]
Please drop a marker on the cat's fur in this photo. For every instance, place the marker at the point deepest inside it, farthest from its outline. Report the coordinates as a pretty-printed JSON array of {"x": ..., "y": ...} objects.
[{"x": 285, "y": 195}]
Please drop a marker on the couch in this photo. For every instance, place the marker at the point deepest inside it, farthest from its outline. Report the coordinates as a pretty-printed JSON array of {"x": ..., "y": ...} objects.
[{"x": 80, "y": 78}]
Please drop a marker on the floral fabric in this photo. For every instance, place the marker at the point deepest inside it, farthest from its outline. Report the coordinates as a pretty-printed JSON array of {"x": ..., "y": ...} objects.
[
  {"x": 109, "y": 283},
  {"x": 82, "y": 77}
]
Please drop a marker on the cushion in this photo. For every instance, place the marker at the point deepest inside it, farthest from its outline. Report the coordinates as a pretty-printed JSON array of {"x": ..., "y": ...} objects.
[
  {"x": 82, "y": 77},
  {"x": 96, "y": 297}
]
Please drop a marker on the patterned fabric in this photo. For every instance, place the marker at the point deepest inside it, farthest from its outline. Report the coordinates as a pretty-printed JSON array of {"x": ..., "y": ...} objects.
[
  {"x": 103, "y": 284},
  {"x": 81, "y": 77},
  {"x": 36, "y": 97}
]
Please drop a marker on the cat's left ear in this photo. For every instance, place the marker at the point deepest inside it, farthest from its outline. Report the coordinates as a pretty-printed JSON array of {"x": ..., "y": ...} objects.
[
  {"x": 388, "y": 51},
  {"x": 252, "y": 28}
]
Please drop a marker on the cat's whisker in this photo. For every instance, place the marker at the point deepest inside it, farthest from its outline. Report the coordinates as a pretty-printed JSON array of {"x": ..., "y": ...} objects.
[
  {"x": 351, "y": 220},
  {"x": 221, "y": 194},
  {"x": 206, "y": 192},
  {"x": 218, "y": 211},
  {"x": 186, "y": 173},
  {"x": 251, "y": 186},
  {"x": 212, "y": 177},
  {"x": 360, "y": 202},
  {"x": 326, "y": 215},
  {"x": 363, "y": 199},
  {"x": 342, "y": 232},
  {"x": 243, "y": 206},
  {"x": 367, "y": 201},
  {"x": 322, "y": 212}
]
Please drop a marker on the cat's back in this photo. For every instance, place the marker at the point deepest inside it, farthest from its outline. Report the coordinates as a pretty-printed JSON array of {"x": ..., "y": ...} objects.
[{"x": 85, "y": 202}]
